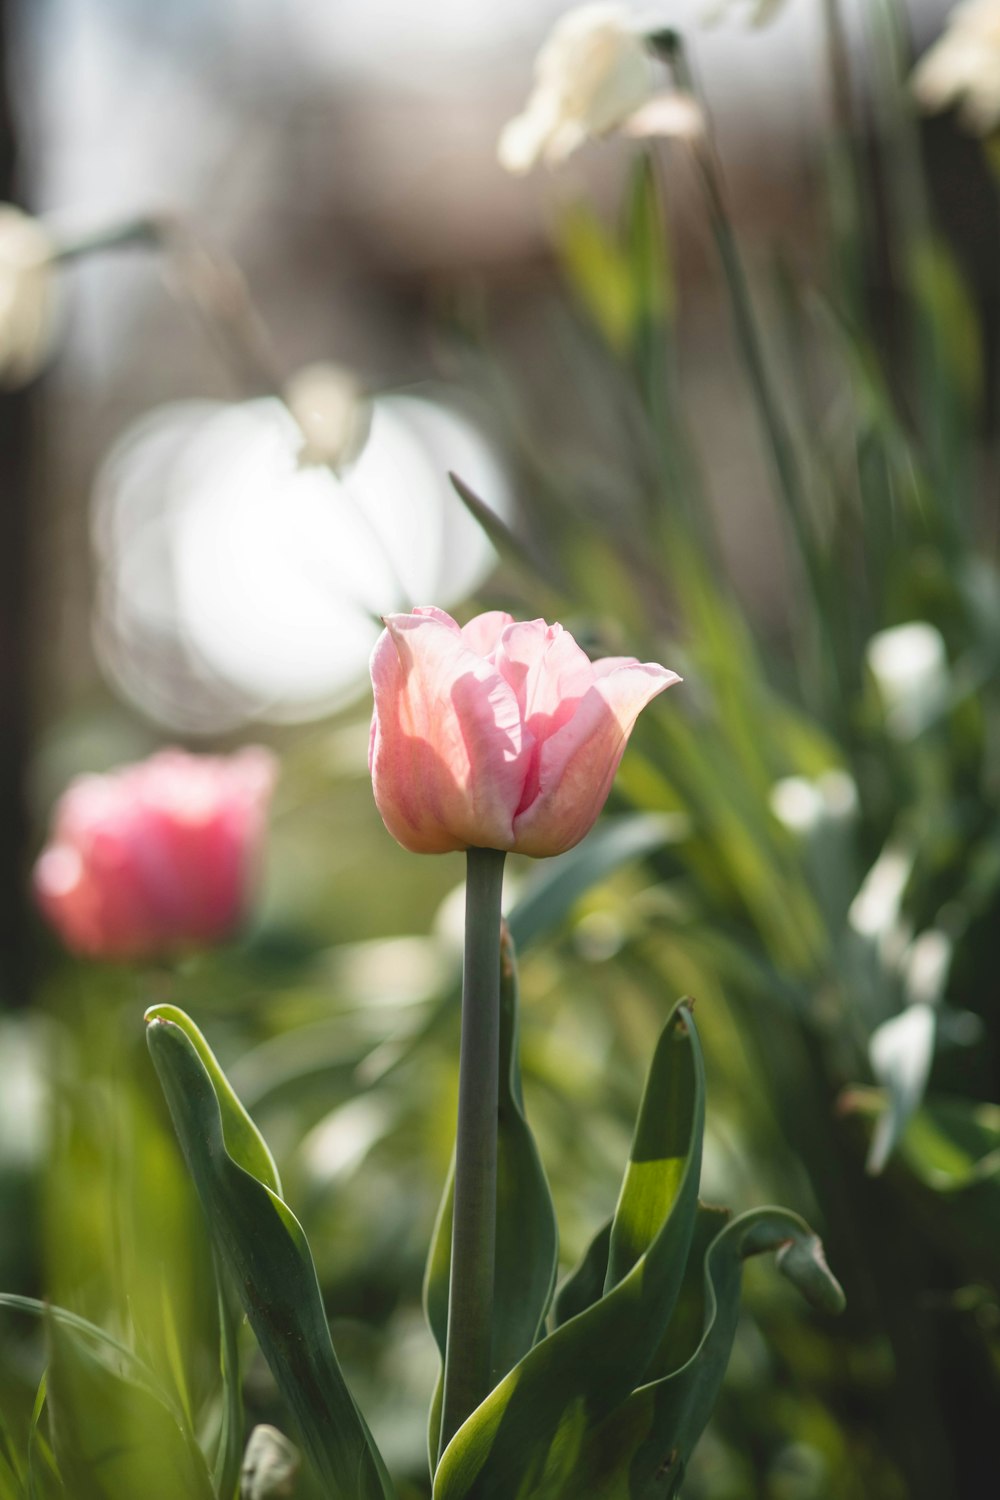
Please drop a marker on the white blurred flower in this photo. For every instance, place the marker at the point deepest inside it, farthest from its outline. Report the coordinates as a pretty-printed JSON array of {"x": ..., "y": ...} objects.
[
  {"x": 27, "y": 296},
  {"x": 328, "y": 403},
  {"x": 592, "y": 73},
  {"x": 963, "y": 67},
  {"x": 803, "y": 805},
  {"x": 760, "y": 10},
  {"x": 910, "y": 666},
  {"x": 237, "y": 582},
  {"x": 677, "y": 115}
]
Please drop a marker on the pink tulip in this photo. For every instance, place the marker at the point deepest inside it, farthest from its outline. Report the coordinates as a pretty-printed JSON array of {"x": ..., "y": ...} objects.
[
  {"x": 497, "y": 735},
  {"x": 157, "y": 857}
]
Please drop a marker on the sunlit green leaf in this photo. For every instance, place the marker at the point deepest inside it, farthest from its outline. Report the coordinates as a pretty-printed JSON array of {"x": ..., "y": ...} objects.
[
  {"x": 526, "y": 1436},
  {"x": 114, "y": 1437},
  {"x": 550, "y": 894},
  {"x": 640, "y": 1452},
  {"x": 598, "y": 271},
  {"x": 266, "y": 1254}
]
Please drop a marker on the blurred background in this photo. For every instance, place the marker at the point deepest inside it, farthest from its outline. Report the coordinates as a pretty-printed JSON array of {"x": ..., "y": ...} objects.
[{"x": 170, "y": 573}]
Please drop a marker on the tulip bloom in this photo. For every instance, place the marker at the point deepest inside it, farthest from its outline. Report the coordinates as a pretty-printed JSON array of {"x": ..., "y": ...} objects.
[
  {"x": 497, "y": 735},
  {"x": 156, "y": 857}
]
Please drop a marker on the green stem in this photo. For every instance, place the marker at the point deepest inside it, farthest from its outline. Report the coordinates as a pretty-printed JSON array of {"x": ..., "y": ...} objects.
[
  {"x": 468, "y": 1347},
  {"x": 772, "y": 421}
]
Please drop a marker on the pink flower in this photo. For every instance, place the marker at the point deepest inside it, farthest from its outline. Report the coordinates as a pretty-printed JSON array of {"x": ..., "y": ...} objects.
[
  {"x": 497, "y": 735},
  {"x": 156, "y": 857}
]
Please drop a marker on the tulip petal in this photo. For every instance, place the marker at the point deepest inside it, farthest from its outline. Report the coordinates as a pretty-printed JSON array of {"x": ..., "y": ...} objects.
[
  {"x": 482, "y": 634},
  {"x": 548, "y": 671},
  {"x": 448, "y": 752},
  {"x": 577, "y": 764}
]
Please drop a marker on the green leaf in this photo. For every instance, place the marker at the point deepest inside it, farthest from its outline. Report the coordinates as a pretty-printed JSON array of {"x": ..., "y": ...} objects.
[
  {"x": 244, "y": 1141},
  {"x": 585, "y": 1285},
  {"x": 264, "y": 1250},
  {"x": 598, "y": 272},
  {"x": 649, "y": 253},
  {"x": 527, "y": 1245},
  {"x": 526, "y": 1436},
  {"x": 640, "y": 1452},
  {"x": 229, "y": 1446},
  {"x": 115, "y": 1437},
  {"x": 549, "y": 896}
]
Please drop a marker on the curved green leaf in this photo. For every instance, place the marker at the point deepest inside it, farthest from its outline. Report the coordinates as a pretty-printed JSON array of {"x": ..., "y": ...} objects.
[
  {"x": 585, "y": 1285},
  {"x": 549, "y": 895},
  {"x": 244, "y": 1141},
  {"x": 114, "y": 1438},
  {"x": 526, "y": 1436},
  {"x": 641, "y": 1450},
  {"x": 264, "y": 1250},
  {"x": 527, "y": 1245}
]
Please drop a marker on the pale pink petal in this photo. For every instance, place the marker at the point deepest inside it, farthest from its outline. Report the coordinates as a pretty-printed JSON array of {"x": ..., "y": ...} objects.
[
  {"x": 548, "y": 672},
  {"x": 431, "y": 612},
  {"x": 577, "y": 764},
  {"x": 448, "y": 752},
  {"x": 482, "y": 634}
]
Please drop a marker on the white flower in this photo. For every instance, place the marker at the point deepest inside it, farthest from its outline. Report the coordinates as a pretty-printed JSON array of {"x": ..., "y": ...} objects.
[
  {"x": 27, "y": 296},
  {"x": 330, "y": 407},
  {"x": 594, "y": 71},
  {"x": 910, "y": 666},
  {"x": 963, "y": 67},
  {"x": 238, "y": 582},
  {"x": 760, "y": 12}
]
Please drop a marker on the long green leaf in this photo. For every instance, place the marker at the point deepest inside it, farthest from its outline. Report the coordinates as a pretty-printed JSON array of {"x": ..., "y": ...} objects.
[
  {"x": 244, "y": 1141},
  {"x": 528, "y": 1432},
  {"x": 527, "y": 1246},
  {"x": 114, "y": 1438},
  {"x": 265, "y": 1252},
  {"x": 551, "y": 894},
  {"x": 640, "y": 1451}
]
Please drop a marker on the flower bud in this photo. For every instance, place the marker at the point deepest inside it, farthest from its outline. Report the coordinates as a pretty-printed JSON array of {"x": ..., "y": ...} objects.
[
  {"x": 496, "y": 734},
  {"x": 331, "y": 409},
  {"x": 27, "y": 296},
  {"x": 157, "y": 857},
  {"x": 594, "y": 71}
]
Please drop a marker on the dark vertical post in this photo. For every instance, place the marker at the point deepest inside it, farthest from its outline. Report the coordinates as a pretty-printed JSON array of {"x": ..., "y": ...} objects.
[{"x": 15, "y": 609}]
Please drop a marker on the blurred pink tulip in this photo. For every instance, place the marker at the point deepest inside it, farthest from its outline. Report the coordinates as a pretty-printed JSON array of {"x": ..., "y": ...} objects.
[
  {"x": 157, "y": 857},
  {"x": 497, "y": 735}
]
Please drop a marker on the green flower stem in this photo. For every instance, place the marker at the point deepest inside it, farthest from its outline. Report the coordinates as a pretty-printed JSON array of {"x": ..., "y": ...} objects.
[
  {"x": 765, "y": 397},
  {"x": 468, "y": 1347},
  {"x": 146, "y": 230}
]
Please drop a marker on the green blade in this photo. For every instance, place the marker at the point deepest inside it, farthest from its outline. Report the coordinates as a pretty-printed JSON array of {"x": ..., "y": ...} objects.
[
  {"x": 528, "y": 1432},
  {"x": 585, "y": 1285},
  {"x": 641, "y": 1450},
  {"x": 549, "y": 896},
  {"x": 114, "y": 1437},
  {"x": 527, "y": 1246},
  {"x": 265, "y": 1252}
]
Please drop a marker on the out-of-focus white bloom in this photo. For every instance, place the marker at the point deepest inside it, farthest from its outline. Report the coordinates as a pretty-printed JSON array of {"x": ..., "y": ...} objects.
[
  {"x": 594, "y": 71},
  {"x": 963, "y": 67},
  {"x": 328, "y": 403},
  {"x": 875, "y": 909},
  {"x": 802, "y": 805},
  {"x": 760, "y": 10},
  {"x": 676, "y": 115},
  {"x": 237, "y": 582},
  {"x": 270, "y": 1465},
  {"x": 27, "y": 296},
  {"x": 910, "y": 666}
]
